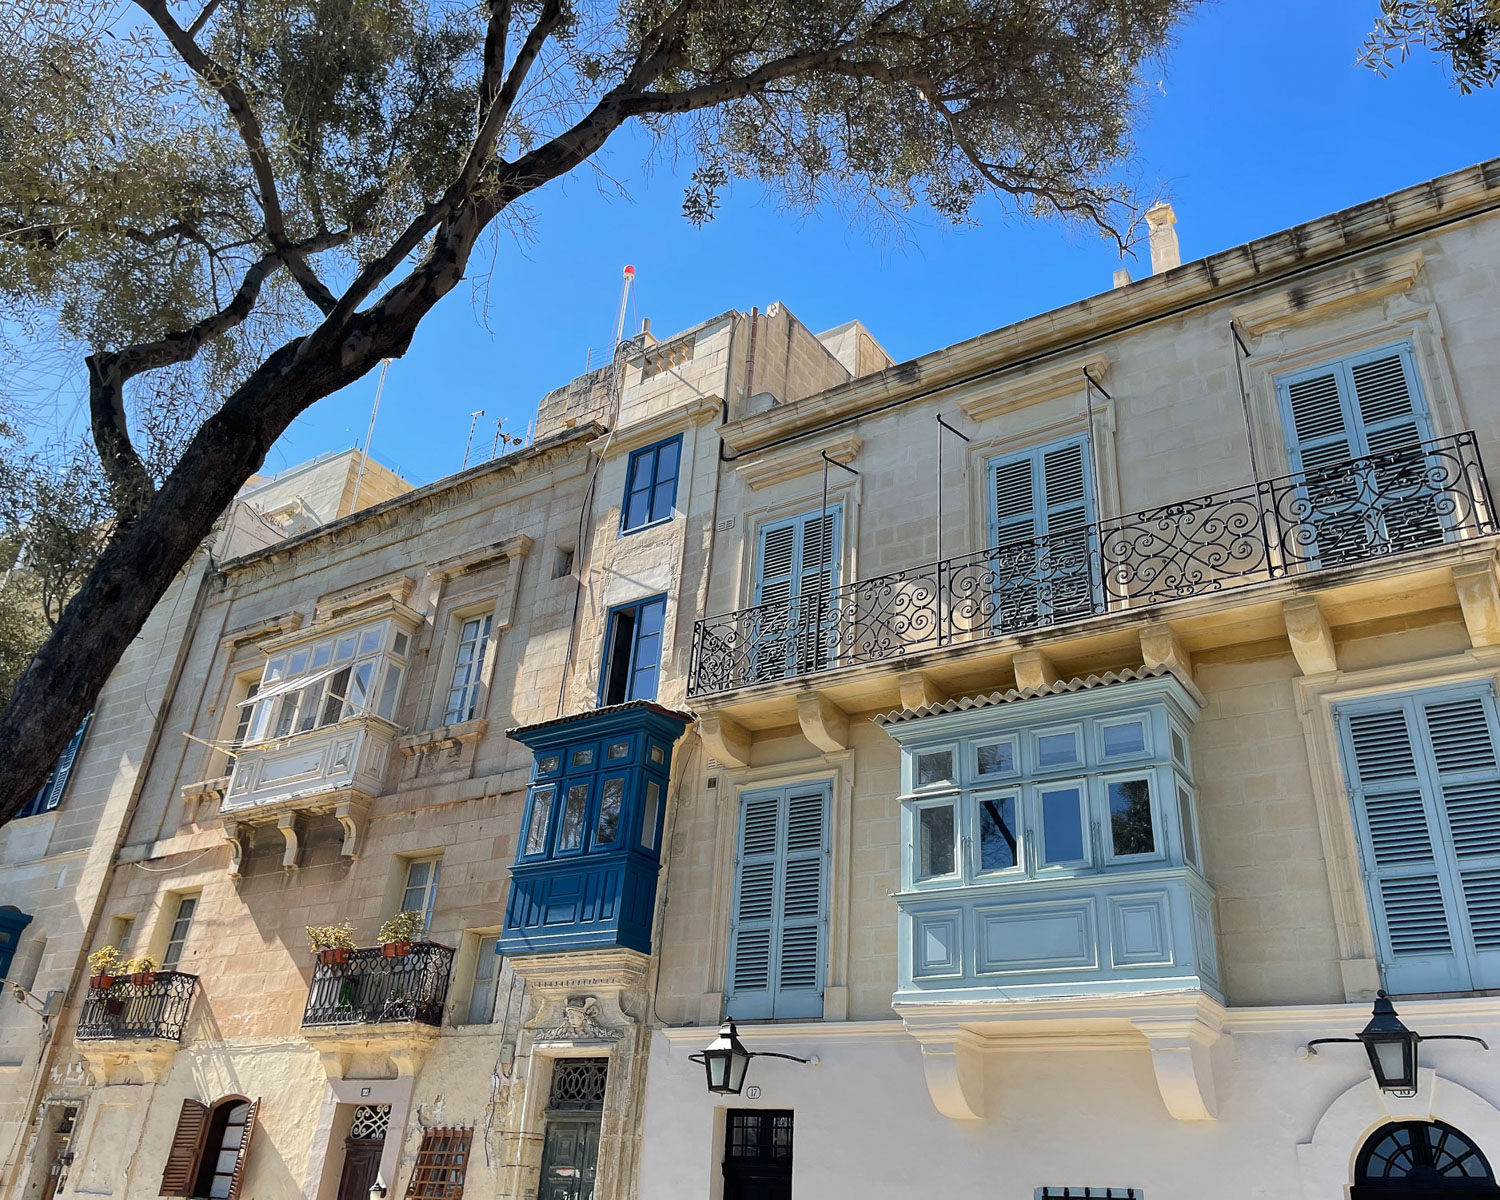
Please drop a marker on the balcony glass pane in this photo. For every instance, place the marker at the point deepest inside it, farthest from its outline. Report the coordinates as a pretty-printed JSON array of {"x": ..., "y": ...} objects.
[
  {"x": 1126, "y": 738},
  {"x": 1062, "y": 826},
  {"x": 1057, "y": 749},
  {"x": 570, "y": 832},
  {"x": 934, "y": 767},
  {"x": 999, "y": 834},
  {"x": 648, "y": 818},
  {"x": 1130, "y": 817},
  {"x": 1189, "y": 827},
  {"x": 607, "y": 830},
  {"x": 997, "y": 758},
  {"x": 935, "y": 841},
  {"x": 541, "y": 813}
]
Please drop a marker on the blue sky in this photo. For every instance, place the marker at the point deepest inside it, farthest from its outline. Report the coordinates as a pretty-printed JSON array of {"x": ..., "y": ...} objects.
[{"x": 1260, "y": 120}]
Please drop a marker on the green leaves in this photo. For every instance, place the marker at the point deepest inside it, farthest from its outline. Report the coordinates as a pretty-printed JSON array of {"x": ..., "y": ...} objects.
[{"x": 1464, "y": 32}]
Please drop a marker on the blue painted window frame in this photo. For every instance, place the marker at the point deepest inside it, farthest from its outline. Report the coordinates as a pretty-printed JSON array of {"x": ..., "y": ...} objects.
[
  {"x": 634, "y": 690},
  {"x": 50, "y": 794},
  {"x": 646, "y": 478}
]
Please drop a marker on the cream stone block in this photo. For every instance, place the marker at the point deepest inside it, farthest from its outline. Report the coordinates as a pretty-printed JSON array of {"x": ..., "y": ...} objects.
[
  {"x": 725, "y": 739},
  {"x": 1312, "y": 640},
  {"x": 823, "y": 722},
  {"x": 1479, "y": 597},
  {"x": 1033, "y": 670}
]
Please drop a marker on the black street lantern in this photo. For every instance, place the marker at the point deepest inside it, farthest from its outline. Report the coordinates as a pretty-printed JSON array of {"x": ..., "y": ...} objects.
[
  {"x": 725, "y": 1061},
  {"x": 1392, "y": 1047}
]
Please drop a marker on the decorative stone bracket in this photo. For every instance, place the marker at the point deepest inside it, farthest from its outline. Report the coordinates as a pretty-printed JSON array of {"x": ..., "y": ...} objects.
[
  {"x": 953, "y": 1064},
  {"x": 1181, "y": 1053}
]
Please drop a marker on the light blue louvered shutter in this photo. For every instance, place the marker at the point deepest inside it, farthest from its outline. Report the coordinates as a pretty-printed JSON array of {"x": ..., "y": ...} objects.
[
  {"x": 804, "y": 907},
  {"x": 793, "y": 556},
  {"x": 1041, "y": 505},
  {"x": 1461, "y": 745},
  {"x": 779, "y": 930},
  {"x": 1426, "y": 787},
  {"x": 1366, "y": 404},
  {"x": 753, "y": 928}
]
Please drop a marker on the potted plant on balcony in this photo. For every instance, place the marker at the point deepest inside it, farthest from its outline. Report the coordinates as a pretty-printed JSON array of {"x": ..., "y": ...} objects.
[
  {"x": 400, "y": 931},
  {"x": 104, "y": 965},
  {"x": 332, "y": 943},
  {"x": 142, "y": 970}
]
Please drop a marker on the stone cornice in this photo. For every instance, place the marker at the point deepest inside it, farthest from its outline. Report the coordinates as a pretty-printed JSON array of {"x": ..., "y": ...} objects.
[
  {"x": 776, "y": 466},
  {"x": 1232, "y": 272},
  {"x": 656, "y": 428},
  {"x": 1035, "y": 385},
  {"x": 517, "y": 547},
  {"x": 281, "y": 623},
  {"x": 1316, "y": 300}
]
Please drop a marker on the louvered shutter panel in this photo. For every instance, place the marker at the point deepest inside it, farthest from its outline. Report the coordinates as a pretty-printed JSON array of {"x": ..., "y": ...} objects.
[
  {"x": 1043, "y": 569},
  {"x": 1406, "y": 860},
  {"x": 1013, "y": 491},
  {"x": 1317, "y": 428},
  {"x": 773, "y": 634},
  {"x": 755, "y": 894},
  {"x": 187, "y": 1144},
  {"x": 1461, "y": 738},
  {"x": 1393, "y": 425},
  {"x": 818, "y": 554},
  {"x": 803, "y": 905},
  {"x": 777, "y": 555},
  {"x": 58, "y": 784},
  {"x": 238, "y": 1178}
]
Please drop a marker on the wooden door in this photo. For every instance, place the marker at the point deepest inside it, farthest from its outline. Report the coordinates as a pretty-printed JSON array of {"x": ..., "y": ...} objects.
[
  {"x": 570, "y": 1156},
  {"x": 361, "y": 1166}
]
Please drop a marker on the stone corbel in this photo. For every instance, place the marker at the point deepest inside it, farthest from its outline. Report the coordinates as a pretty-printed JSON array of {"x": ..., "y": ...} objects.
[
  {"x": 823, "y": 722},
  {"x": 234, "y": 835},
  {"x": 1162, "y": 649},
  {"x": 1312, "y": 640},
  {"x": 1479, "y": 597},
  {"x": 1182, "y": 1055},
  {"x": 918, "y": 690},
  {"x": 287, "y": 824},
  {"x": 1033, "y": 670},
  {"x": 725, "y": 739},
  {"x": 352, "y": 818},
  {"x": 953, "y": 1064}
]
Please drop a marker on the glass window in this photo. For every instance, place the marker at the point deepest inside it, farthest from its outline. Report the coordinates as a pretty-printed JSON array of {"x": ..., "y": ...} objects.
[
  {"x": 344, "y": 649},
  {"x": 177, "y": 936},
  {"x": 617, "y": 750},
  {"x": 322, "y": 655},
  {"x": 648, "y": 817},
  {"x": 297, "y": 663},
  {"x": 611, "y": 796},
  {"x": 1057, "y": 749},
  {"x": 390, "y": 688},
  {"x": 650, "y": 485},
  {"x": 1179, "y": 747},
  {"x": 936, "y": 841},
  {"x": 549, "y": 764},
  {"x": 999, "y": 833},
  {"x": 583, "y": 757},
  {"x": 995, "y": 758},
  {"x": 1123, "y": 737},
  {"x": 1130, "y": 826},
  {"x": 632, "y": 651},
  {"x": 1189, "y": 825},
  {"x": 468, "y": 667},
  {"x": 1062, "y": 825},
  {"x": 486, "y": 980},
  {"x": 369, "y": 641},
  {"x": 575, "y": 809},
  {"x": 934, "y": 767},
  {"x": 541, "y": 814},
  {"x": 420, "y": 894}
]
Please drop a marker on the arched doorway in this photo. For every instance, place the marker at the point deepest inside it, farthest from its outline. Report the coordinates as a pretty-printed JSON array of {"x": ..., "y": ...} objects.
[
  {"x": 362, "y": 1150},
  {"x": 1422, "y": 1159}
]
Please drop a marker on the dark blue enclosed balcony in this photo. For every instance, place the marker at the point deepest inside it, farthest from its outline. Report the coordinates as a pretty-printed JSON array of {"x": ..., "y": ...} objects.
[{"x": 590, "y": 845}]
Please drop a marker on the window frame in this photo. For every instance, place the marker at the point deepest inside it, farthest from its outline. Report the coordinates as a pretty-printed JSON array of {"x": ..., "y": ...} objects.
[
  {"x": 1105, "y": 816},
  {"x": 169, "y": 929},
  {"x": 611, "y": 632},
  {"x": 913, "y": 765},
  {"x": 656, "y": 484},
  {"x": 476, "y": 978},
  {"x": 914, "y": 810},
  {"x": 976, "y": 872},
  {"x": 429, "y": 888},
  {"x": 475, "y": 692}
]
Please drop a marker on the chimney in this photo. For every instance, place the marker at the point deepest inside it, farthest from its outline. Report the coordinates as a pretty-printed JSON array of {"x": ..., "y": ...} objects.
[
  {"x": 1164, "y": 252},
  {"x": 1122, "y": 277}
]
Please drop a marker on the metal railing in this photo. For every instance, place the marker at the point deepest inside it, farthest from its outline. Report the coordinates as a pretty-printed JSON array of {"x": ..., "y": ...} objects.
[
  {"x": 1337, "y": 514},
  {"x": 372, "y": 987},
  {"x": 158, "y": 1009}
]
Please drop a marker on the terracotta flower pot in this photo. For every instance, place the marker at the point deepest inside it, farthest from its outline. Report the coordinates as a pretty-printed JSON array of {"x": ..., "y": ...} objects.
[
  {"x": 143, "y": 978},
  {"x": 104, "y": 982},
  {"x": 333, "y": 954},
  {"x": 396, "y": 949}
]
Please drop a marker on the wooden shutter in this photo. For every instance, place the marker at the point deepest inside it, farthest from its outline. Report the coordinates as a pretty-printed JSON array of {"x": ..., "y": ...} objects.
[
  {"x": 57, "y": 782},
  {"x": 1424, "y": 779},
  {"x": 777, "y": 943},
  {"x": 238, "y": 1178},
  {"x": 792, "y": 557},
  {"x": 1043, "y": 571},
  {"x": 187, "y": 1144}
]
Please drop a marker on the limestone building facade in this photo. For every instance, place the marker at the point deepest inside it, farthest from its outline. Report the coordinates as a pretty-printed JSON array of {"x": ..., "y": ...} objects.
[{"x": 1036, "y": 748}]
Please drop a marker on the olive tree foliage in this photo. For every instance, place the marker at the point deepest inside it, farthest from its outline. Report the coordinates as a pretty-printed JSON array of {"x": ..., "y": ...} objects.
[
  {"x": 1463, "y": 33},
  {"x": 232, "y": 208}
]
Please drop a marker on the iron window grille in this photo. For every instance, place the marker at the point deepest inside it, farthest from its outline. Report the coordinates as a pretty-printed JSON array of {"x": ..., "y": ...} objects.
[
  {"x": 578, "y": 1084},
  {"x": 373, "y": 987},
  {"x": 1363, "y": 509},
  {"x": 371, "y": 1122},
  {"x": 761, "y": 1135},
  {"x": 158, "y": 1009},
  {"x": 1089, "y": 1193},
  {"x": 442, "y": 1163}
]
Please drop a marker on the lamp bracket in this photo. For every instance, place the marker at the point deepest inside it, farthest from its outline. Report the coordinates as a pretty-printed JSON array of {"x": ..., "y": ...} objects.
[
  {"x": 1324, "y": 1041},
  {"x": 1452, "y": 1037}
]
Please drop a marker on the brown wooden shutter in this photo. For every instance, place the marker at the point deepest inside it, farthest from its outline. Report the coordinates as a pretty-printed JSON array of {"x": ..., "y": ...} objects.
[
  {"x": 187, "y": 1145},
  {"x": 239, "y": 1163}
]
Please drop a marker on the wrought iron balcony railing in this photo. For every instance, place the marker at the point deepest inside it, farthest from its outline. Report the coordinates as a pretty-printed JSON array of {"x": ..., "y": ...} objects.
[
  {"x": 371, "y": 987},
  {"x": 1337, "y": 514},
  {"x": 158, "y": 1009}
]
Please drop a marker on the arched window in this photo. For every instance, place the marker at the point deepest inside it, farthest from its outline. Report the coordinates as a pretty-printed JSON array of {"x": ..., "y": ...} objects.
[
  {"x": 209, "y": 1149},
  {"x": 1422, "y": 1158}
]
